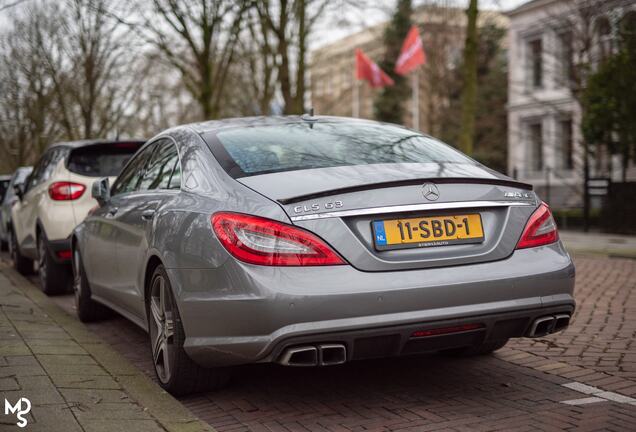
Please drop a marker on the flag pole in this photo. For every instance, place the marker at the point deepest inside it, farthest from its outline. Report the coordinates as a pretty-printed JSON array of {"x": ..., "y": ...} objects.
[
  {"x": 355, "y": 96},
  {"x": 416, "y": 100}
]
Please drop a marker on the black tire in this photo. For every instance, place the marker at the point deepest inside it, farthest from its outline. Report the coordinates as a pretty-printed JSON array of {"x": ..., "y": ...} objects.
[
  {"x": 87, "y": 309},
  {"x": 182, "y": 375},
  {"x": 21, "y": 264},
  {"x": 483, "y": 349},
  {"x": 4, "y": 245},
  {"x": 54, "y": 278}
]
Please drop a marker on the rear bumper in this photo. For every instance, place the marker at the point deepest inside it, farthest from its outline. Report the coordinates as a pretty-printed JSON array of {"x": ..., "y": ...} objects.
[
  {"x": 239, "y": 313},
  {"x": 403, "y": 340}
]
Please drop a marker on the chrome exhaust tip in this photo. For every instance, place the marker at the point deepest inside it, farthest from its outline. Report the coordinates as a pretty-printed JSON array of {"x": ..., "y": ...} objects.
[
  {"x": 542, "y": 326},
  {"x": 332, "y": 354},
  {"x": 300, "y": 356},
  {"x": 561, "y": 321}
]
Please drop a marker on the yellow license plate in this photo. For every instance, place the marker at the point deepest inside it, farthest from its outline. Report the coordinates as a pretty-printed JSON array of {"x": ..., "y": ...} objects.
[{"x": 428, "y": 231}]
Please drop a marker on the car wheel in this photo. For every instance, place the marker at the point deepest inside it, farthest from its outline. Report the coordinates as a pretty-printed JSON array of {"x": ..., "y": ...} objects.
[
  {"x": 483, "y": 349},
  {"x": 21, "y": 264},
  {"x": 88, "y": 310},
  {"x": 54, "y": 277},
  {"x": 4, "y": 245},
  {"x": 176, "y": 372}
]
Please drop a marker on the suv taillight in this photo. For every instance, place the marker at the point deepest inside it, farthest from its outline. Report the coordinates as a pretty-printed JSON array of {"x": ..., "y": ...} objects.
[
  {"x": 261, "y": 241},
  {"x": 540, "y": 229},
  {"x": 66, "y": 191}
]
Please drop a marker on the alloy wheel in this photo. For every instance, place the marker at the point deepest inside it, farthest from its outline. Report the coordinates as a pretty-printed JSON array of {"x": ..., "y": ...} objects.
[{"x": 161, "y": 328}]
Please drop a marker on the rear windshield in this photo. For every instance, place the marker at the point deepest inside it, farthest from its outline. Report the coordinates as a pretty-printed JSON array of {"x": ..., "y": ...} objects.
[
  {"x": 298, "y": 146},
  {"x": 101, "y": 160}
]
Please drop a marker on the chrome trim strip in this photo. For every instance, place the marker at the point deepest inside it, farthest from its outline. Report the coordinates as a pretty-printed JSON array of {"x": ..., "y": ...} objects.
[{"x": 411, "y": 207}]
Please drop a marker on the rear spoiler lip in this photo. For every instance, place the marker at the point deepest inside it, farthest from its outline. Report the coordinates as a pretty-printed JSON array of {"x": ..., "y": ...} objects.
[{"x": 409, "y": 182}]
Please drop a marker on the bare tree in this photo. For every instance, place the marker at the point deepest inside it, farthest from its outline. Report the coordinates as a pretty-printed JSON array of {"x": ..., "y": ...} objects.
[
  {"x": 199, "y": 39},
  {"x": 291, "y": 22}
]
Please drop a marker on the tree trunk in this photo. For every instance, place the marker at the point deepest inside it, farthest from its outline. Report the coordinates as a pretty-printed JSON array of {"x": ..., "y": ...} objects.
[{"x": 469, "y": 92}]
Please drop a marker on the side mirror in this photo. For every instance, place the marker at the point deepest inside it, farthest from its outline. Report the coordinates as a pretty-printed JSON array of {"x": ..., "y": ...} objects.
[
  {"x": 101, "y": 191},
  {"x": 18, "y": 189}
]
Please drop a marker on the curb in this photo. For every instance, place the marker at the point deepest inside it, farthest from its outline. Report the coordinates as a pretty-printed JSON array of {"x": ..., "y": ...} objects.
[{"x": 168, "y": 411}]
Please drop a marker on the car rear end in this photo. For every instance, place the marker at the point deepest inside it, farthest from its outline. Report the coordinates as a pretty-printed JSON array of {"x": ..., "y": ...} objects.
[
  {"x": 69, "y": 192},
  {"x": 392, "y": 243}
]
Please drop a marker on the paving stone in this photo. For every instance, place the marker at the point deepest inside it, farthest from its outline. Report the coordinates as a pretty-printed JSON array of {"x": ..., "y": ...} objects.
[{"x": 85, "y": 381}]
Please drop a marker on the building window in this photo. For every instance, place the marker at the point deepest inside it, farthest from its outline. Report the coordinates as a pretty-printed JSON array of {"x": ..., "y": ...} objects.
[
  {"x": 566, "y": 58},
  {"x": 564, "y": 144},
  {"x": 603, "y": 30},
  {"x": 535, "y": 141},
  {"x": 535, "y": 63}
]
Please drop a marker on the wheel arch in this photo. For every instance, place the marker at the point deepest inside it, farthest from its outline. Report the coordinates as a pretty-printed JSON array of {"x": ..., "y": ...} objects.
[{"x": 151, "y": 265}]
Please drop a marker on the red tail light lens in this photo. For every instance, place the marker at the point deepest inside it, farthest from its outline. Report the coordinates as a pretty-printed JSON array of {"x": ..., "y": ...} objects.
[
  {"x": 540, "y": 229},
  {"x": 261, "y": 241},
  {"x": 66, "y": 191}
]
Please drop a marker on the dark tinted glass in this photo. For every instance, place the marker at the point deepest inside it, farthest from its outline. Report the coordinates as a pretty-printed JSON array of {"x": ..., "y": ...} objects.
[
  {"x": 4, "y": 185},
  {"x": 160, "y": 168},
  {"x": 101, "y": 160},
  {"x": 298, "y": 146},
  {"x": 131, "y": 175}
]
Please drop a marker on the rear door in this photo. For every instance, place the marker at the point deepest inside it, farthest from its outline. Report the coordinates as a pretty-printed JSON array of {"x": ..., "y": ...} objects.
[
  {"x": 25, "y": 214},
  {"x": 103, "y": 231}
]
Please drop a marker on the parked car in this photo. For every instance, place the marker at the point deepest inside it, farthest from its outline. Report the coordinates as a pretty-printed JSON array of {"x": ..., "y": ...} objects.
[
  {"x": 312, "y": 241},
  {"x": 10, "y": 198},
  {"x": 54, "y": 200}
]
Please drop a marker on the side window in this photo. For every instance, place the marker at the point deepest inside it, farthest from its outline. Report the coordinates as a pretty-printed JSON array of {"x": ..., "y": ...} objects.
[
  {"x": 57, "y": 155},
  {"x": 129, "y": 179},
  {"x": 161, "y": 167},
  {"x": 38, "y": 172}
]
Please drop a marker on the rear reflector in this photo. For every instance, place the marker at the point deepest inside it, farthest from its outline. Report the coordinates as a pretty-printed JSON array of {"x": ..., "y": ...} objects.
[
  {"x": 261, "y": 241},
  {"x": 66, "y": 191},
  {"x": 540, "y": 230},
  {"x": 446, "y": 330},
  {"x": 64, "y": 254}
]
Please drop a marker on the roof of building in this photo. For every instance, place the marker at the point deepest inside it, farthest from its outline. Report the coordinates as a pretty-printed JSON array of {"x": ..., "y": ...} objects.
[{"x": 528, "y": 6}]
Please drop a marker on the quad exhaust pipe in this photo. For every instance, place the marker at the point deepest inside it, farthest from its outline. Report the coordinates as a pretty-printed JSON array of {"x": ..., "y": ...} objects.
[
  {"x": 548, "y": 324},
  {"x": 310, "y": 355}
]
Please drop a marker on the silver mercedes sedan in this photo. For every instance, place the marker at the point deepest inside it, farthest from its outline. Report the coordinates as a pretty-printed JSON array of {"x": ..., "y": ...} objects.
[{"x": 315, "y": 241}]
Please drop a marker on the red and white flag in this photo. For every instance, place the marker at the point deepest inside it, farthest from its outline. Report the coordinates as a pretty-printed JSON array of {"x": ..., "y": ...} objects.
[
  {"x": 366, "y": 69},
  {"x": 412, "y": 54}
]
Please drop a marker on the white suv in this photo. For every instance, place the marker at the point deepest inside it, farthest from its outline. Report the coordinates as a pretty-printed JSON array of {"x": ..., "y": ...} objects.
[{"x": 54, "y": 199}]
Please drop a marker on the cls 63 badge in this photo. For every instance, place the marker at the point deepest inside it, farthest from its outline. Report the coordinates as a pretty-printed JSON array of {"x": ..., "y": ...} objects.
[{"x": 316, "y": 207}]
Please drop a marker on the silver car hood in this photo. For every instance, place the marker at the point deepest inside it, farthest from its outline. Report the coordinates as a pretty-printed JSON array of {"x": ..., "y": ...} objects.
[{"x": 293, "y": 186}]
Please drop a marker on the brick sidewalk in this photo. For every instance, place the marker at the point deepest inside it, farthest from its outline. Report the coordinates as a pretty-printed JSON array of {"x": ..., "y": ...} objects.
[
  {"x": 73, "y": 381},
  {"x": 519, "y": 388}
]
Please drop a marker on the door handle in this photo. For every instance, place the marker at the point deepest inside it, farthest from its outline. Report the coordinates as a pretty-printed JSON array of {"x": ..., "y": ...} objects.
[
  {"x": 147, "y": 214},
  {"x": 113, "y": 211}
]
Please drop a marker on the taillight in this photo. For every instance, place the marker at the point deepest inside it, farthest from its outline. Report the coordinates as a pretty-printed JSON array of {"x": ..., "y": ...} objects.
[
  {"x": 257, "y": 240},
  {"x": 540, "y": 229},
  {"x": 66, "y": 191}
]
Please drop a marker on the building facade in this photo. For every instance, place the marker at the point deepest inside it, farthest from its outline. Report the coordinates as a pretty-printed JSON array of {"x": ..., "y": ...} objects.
[
  {"x": 442, "y": 29},
  {"x": 551, "y": 43}
]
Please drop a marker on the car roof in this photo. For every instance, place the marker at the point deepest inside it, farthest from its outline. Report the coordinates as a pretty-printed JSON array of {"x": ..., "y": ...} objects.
[
  {"x": 216, "y": 125},
  {"x": 88, "y": 142}
]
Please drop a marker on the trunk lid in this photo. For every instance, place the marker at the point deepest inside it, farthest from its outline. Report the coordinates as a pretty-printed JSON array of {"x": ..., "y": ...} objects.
[{"x": 340, "y": 204}]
